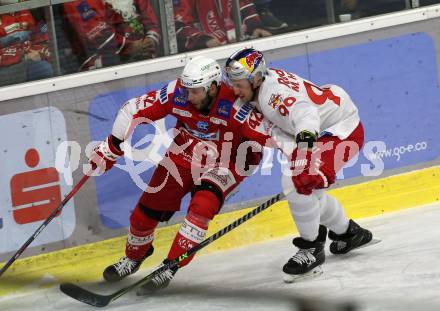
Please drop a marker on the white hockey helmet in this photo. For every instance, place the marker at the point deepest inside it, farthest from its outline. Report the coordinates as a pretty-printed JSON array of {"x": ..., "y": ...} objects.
[
  {"x": 245, "y": 64},
  {"x": 201, "y": 71}
]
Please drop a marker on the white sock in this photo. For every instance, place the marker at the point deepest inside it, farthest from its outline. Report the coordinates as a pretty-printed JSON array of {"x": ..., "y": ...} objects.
[{"x": 332, "y": 213}]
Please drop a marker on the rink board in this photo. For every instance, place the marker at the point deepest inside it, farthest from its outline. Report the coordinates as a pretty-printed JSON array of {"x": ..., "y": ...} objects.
[
  {"x": 85, "y": 263},
  {"x": 387, "y": 92},
  {"x": 393, "y": 92},
  {"x": 390, "y": 70}
]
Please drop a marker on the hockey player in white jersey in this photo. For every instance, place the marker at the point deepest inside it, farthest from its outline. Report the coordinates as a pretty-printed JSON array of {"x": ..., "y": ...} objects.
[{"x": 323, "y": 128}]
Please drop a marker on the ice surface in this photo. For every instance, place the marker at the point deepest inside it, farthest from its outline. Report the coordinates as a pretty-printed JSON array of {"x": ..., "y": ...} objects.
[{"x": 400, "y": 273}]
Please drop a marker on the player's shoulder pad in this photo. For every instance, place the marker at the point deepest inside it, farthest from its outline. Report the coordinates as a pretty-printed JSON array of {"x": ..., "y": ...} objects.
[
  {"x": 271, "y": 92},
  {"x": 141, "y": 102},
  {"x": 225, "y": 102},
  {"x": 164, "y": 93},
  {"x": 241, "y": 110},
  {"x": 278, "y": 98}
]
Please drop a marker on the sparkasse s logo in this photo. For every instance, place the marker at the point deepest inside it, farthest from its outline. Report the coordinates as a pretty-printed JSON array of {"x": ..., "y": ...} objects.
[{"x": 33, "y": 188}]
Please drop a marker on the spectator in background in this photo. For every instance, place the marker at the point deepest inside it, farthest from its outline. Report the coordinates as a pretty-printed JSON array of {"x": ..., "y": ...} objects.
[
  {"x": 24, "y": 50},
  {"x": 268, "y": 19},
  {"x": 353, "y": 9},
  {"x": 209, "y": 23},
  {"x": 110, "y": 32},
  {"x": 349, "y": 9}
]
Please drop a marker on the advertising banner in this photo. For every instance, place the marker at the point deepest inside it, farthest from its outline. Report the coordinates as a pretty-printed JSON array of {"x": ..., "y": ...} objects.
[
  {"x": 31, "y": 185},
  {"x": 393, "y": 82}
]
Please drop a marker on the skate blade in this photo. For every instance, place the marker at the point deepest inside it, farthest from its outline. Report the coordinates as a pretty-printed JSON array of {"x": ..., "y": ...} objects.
[
  {"x": 148, "y": 289},
  {"x": 142, "y": 291},
  {"x": 293, "y": 278},
  {"x": 372, "y": 242}
]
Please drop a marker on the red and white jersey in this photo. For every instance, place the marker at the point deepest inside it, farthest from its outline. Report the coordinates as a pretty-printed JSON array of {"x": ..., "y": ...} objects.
[
  {"x": 13, "y": 23},
  {"x": 228, "y": 120},
  {"x": 294, "y": 104},
  {"x": 198, "y": 21},
  {"x": 99, "y": 28},
  {"x": 19, "y": 34}
]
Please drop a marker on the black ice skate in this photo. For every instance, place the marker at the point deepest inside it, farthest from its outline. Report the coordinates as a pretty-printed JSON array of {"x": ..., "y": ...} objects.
[
  {"x": 355, "y": 237},
  {"x": 308, "y": 260},
  {"x": 159, "y": 282},
  {"x": 124, "y": 267}
]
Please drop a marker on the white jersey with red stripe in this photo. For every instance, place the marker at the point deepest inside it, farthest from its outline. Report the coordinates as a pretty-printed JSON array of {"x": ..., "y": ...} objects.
[{"x": 295, "y": 104}]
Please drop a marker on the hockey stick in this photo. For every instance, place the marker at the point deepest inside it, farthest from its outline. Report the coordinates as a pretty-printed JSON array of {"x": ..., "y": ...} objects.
[
  {"x": 97, "y": 300},
  {"x": 45, "y": 223}
]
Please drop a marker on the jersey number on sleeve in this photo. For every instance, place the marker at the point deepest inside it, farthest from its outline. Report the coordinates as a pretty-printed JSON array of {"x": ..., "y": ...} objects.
[
  {"x": 316, "y": 94},
  {"x": 320, "y": 95},
  {"x": 255, "y": 119},
  {"x": 287, "y": 79}
]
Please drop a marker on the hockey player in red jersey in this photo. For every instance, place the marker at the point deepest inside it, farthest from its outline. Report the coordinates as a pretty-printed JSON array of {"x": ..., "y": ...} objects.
[
  {"x": 209, "y": 23},
  {"x": 323, "y": 127},
  {"x": 110, "y": 32},
  {"x": 24, "y": 48},
  {"x": 211, "y": 128}
]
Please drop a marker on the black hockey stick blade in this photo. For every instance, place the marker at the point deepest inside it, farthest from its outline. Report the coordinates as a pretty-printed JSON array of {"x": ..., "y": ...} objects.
[
  {"x": 100, "y": 301},
  {"x": 85, "y": 296},
  {"x": 97, "y": 300}
]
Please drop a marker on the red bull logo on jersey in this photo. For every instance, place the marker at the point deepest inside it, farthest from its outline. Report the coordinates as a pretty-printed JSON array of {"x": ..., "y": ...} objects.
[
  {"x": 251, "y": 61},
  {"x": 275, "y": 100}
]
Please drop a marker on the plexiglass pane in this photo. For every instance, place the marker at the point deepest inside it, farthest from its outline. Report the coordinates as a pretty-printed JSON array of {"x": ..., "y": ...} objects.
[
  {"x": 25, "y": 53},
  {"x": 94, "y": 34},
  {"x": 45, "y": 40}
]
